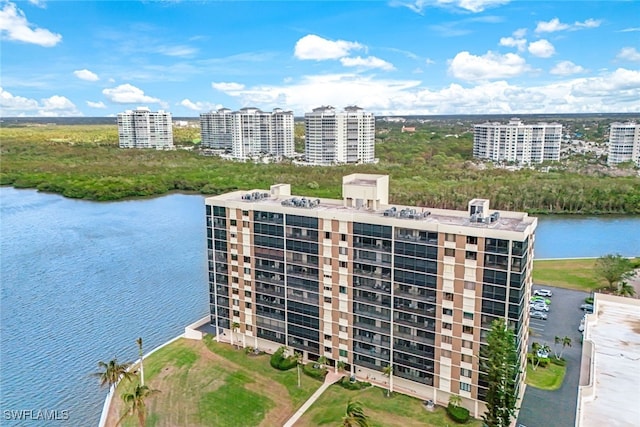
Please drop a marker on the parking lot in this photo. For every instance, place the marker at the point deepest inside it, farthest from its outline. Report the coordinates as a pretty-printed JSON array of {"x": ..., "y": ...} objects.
[{"x": 556, "y": 408}]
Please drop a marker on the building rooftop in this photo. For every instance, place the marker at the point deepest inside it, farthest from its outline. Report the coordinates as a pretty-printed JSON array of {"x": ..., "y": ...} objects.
[{"x": 610, "y": 378}]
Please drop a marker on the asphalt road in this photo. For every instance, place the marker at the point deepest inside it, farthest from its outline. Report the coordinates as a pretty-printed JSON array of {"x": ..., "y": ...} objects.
[{"x": 557, "y": 408}]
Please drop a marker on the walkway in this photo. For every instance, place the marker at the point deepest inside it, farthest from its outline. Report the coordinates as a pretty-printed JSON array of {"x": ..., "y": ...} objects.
[{"x": 329, "y": 379}]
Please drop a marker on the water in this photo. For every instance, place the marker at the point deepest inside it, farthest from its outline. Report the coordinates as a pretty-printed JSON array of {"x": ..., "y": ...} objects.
[{"x": 82, "y": 280}]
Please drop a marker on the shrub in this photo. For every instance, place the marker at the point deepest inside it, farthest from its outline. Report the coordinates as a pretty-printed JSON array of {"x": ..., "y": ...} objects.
[
  {"x": 588, "y": 300},
  {"x": 313, "y": 370},
  {"x": 345, "y": 382},
  {"x": 278, "y": 361},
  {"x": 543, "y": 362},
  {"x": 458, "y": 413},
  {"x": 558, "y": 361}
]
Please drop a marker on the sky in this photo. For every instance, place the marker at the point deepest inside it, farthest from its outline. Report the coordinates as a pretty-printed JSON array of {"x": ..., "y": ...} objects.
[{"x": 393, "y": 57}]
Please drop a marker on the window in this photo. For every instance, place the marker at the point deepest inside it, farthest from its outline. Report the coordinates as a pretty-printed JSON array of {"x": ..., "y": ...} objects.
[
  {"x": 343, "y": 353},
  {"x": 342, "y": 328},
  {"x": 467, "y": 315},
  {"x": 449, "y": 237},
  {"x": 467, "y": 358},
  {"x": 247, "y": 305},
  {"x": 343, "y": 289},
  {"x": 445, "y": 353},
  {"x": 342, "y": 251},
  {"x": 467, "y": 344},
  {"x": 247, "y": 294},
  {"x": 327, "y": 275},
  {"x": 448, "y": 296},
  {"x": 327, "y": 235},
  {"x": 446, "y": 325},
  {"x": 234, "y": 257},
  {"x": 245, "y": 213},
  {"x": 233, "y": 222},
  {"x": 247, "y": 271},
  {"x": 233, "y": 235},
  {"x": 447, "y": 311},
  {"x": 465, "y": 372},
  {"x": 470, "y": 285},
  {"x": 236, "y": 313},
  {"x": 446, "y": 339},
  {"x": 327, "y": 349},
  {"x": 343, "y": 237},
  {"x": 327, "y": 337},
  {"x": 449, "y": 252},
  {"x": 467, "y": 329},
  {"x": 234, "y": 291},
  {"x": 465, "y": 387},
  {"x": 472, "y": 240},
  {"x": 249, "y": 327},
  {"x": 327, "y": 288},
  {"x": 471, "y": 255},
  {"x": 247, "y": 259},
  {"x": 327, "y": 261},
  {"x": 235, "y": 279},
  {"x": 327, "y": 300},
  {"x": 245, "y": 224}
]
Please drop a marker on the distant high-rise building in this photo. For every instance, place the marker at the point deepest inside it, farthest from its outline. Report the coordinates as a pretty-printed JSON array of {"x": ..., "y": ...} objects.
[
  {"x": 517, "y": 142},
  {"x": 248, "y": 132},
  {"x": 624, "y": 143},
  {"x": 369, "y": 285},
  {"x": 339, "y": 136},
  {"x": 143, "y": 128}
]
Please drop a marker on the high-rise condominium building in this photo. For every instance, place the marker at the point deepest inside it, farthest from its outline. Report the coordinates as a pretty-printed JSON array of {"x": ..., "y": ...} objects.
[
  {"x": 368, "y": 285},
  {"x": 624, "y": 143},
  {"x": 248, "y": 132},
  {"x": 339, "y": 136},
  {"x": 143, "y": 128},
  {"x": 517, "y": 142}
]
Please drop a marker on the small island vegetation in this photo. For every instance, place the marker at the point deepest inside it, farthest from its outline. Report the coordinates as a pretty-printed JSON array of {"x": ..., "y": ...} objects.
[{"x": 432, "y": 166}]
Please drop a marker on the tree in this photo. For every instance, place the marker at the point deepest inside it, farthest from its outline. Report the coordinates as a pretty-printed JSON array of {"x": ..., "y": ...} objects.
[
  {"x": 322, "y": 360},
  {"x": 556, "y": 341},
  {"x": 298, "y": 357},
  {"x": 500, "y": 369},
  {"x": 566, "y": 342},
  {"x": 534, "y": 354},
  {"x": 625, "y": 290},
  {"x": 455, "y": 400},
  {"x": 234, "y": 326},
  {"x": 614, "y": 269},
  {"x": 139, "y": 342},
  {"x": 388, "y": 372},
  {"x": 355, "y": 416},
  {"x": 112, "y": 371},
  {"x": 136, "y": 404}
]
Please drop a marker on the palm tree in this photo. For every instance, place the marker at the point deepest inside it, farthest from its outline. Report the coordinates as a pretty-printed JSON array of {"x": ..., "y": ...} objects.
[
  {"x": 387, "y": 371},
  {"x": 139, "y": 342},
  {"x": 234, "y": 326},
  {"x": 135, "y": 402},
  {"x": 355, "y": 416},
  {"x": 557, "y": 340},
  {"x": 566, "y": 342},
  {"x": 625, "y": 290},
  {"x": 534, "y": 352},
  {"x": 111, "y": 372},
  {"x": 322, "y": 360},
  {"x": 455, "y": 400},
  {"x": 298, "y": 357}
]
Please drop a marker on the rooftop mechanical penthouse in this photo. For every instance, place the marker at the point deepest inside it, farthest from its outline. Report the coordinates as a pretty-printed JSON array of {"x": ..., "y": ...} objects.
[{"x": 370, "y": 284}]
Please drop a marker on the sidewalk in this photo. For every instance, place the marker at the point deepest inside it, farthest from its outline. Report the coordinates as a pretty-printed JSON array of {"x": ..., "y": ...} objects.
[{"x": 331, "y": 378}]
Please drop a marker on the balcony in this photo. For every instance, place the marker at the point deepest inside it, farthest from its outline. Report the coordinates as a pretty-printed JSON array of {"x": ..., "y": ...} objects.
[
  {"x": 307, "y": 273},
  {"x": 382, "y": 354},
  {"x": 377, "y": 314}
]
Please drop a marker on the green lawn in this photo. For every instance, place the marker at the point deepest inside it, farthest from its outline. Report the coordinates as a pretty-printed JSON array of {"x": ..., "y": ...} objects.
[
  {"x": 548, "y": 378},
  {"x": 567, "y": 273},
  {"x": 397, "y": 410}
]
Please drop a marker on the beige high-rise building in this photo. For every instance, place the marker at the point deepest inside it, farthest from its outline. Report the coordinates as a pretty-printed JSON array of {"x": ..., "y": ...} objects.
[
  {"x": 624, "y": 143},
  {"x": 366, "y": 283},
  {"x": 143, "y": 128}
]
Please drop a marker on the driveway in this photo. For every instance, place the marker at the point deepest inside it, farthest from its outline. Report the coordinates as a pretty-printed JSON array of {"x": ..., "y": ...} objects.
[{"x": 557, "y": 408}]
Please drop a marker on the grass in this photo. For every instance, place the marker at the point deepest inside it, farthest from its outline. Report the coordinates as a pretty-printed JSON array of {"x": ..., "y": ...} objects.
[
  {"x": 547, "y": 378},
  {"x": 575, "y": 274},
  {"x": 397, "y": 410}
]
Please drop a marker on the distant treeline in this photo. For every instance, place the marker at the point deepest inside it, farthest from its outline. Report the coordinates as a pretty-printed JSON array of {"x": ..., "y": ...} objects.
[{"x": 426, "y": 168}]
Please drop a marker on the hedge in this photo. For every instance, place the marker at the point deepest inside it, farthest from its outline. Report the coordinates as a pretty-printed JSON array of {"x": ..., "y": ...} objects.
[
  {"x": 282, "y": 363},
  {"x": 458, "y": 413},
  {"x": 345, "y": 382},
  {"x": 317, "y": 373}
]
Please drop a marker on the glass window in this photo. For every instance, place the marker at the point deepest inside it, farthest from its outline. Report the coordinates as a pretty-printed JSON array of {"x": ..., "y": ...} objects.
[
  {"x": 470, "y": 285},
  {"x": 343, "y": 353},
  {"x": 445, "y": 353},
  {"x": 449, "y": 237},
  {"x": 448, "y": 296},
  {"x": 465, "y": 387},
  {"x": 467, "y": 315},
  {"x": 446, "y": 325},
  {"x": 447, "y": 312},
  {"x": 446, "y": 339},
  {"x": 467, "y": 358},
  {"x": 472, "y": 240},
  {"x": 465, "y": 372},
  {"x": 449, "y": 252}
]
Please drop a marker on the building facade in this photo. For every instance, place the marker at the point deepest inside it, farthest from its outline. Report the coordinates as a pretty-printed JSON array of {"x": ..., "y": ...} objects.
[
  {"x": 339, "y": 136},
  {"x": 368, "y": 285},
  {"x": 517, "y": 142},
  {"x": 143, "y": 128},
  {"x": 248, "y": 132},
  {"x": 624, "y": 143}
]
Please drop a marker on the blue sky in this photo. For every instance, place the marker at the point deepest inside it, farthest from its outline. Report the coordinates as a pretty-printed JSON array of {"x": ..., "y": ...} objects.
[{"x": 400, "y": 57}]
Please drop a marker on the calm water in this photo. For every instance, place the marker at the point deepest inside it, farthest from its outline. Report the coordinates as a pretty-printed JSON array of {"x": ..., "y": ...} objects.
[{"x": 82, "y": 280}]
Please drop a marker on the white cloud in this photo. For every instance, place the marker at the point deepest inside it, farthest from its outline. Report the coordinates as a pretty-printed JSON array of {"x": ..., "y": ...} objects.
[
  {"x": 368, "y": 62},
  {"x": 555, "y": 25},
  {"x": 99, "y": 104},
  {"x": 566, "y": 68},
  {"x": 630, "y": 30},
  {"x": 419, "y": 6},
  {"x": 198, "y": 105},
  {"x": 86, "y": 75},
  {"x": 227, "y": 87},
  {"x": 520, "y": 33},
  {"x": 541, "y": 49},
  {"x": 513, "y": 42},
  {"x": 128, "y": 94},
  {"x": 491, "y": 66},
  {"x": 318, "y": 48},
  {"x": 54, "y": 106},
  {"x": 628, "y": 54},
  {"x": 180, "y": 50},
  {"x": 14, "y": 26},
  {"x": 39, "y": 3}
]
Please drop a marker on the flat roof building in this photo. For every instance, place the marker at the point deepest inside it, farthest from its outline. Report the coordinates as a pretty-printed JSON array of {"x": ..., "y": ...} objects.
[
  {"x": 143, "y": 128},
  {"x": 624, "y": 143},
  {"x": 609, "y": 389},
  {"x": 517, "y": 142},
  {"x": 368, "y": 284}
]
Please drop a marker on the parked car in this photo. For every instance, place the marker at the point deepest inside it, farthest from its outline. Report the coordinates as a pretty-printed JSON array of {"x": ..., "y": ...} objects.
[
  {"x": 542, "y": 299},
  {"x": 543, "y": 292},
  {"x": 539, "y": 306},
  {"x": 587, "y": 307},
  {"x": 538, "y": 315}
]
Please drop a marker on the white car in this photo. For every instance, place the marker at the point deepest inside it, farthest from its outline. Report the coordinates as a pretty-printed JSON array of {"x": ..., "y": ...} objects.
[
  {"x": 538, "y": 315},
  {"x": 543, "y": 292},
  {"x": 539, "y": 307}
]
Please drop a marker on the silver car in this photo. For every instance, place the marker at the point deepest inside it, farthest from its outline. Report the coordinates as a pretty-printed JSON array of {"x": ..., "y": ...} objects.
[{"x": 538, "y": 315}]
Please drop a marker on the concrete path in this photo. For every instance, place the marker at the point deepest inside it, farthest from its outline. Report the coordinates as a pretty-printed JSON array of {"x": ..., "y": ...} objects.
[{"x": 329, "y": 379}]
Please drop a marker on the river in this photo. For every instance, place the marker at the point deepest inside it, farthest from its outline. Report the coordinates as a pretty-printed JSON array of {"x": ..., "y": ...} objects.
[{"x": 81, "y": 281}]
